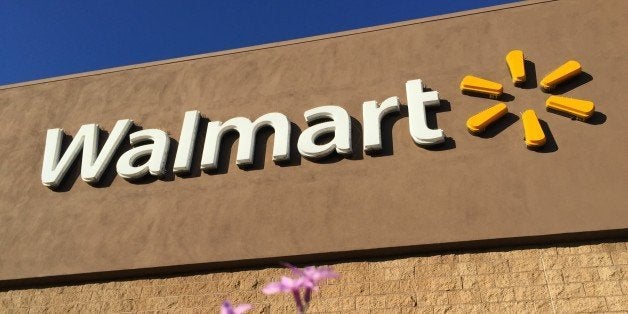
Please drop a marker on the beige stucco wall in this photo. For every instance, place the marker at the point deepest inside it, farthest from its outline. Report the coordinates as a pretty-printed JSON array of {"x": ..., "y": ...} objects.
[
  {"x": 471, "y": 189},
  {"x": 591, "y": 277},
  {"x": 94, "y": 231}
]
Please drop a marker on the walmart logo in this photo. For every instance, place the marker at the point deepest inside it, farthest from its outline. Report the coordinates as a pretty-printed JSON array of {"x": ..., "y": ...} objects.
[
  {"x": 534, "y": 135},
  {"x": 148, "y": 150}
]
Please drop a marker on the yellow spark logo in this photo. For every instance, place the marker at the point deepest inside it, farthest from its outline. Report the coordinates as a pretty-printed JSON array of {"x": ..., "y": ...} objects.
[{"x": 533, "y": 132}]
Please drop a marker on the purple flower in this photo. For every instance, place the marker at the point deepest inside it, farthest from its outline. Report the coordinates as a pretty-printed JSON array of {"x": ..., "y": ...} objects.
[
  {"x": 227, "y": 308},
  {"x": 308, "y": 279},
  {"x": 315, "y": 274},
  {"x": 311, "y": 276},
  {"x": 287, "y": 284}
]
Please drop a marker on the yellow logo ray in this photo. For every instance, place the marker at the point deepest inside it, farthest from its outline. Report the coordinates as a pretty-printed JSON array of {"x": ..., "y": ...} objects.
[
  {"x": 533, "y": 133},
  {"x": 475, "y": 85},
  {"x": 515, "y": 62},
  {"x": 563, "y": 73},
  {"x": 478, "y": 122},
  {"x": 581, "y": 109}
]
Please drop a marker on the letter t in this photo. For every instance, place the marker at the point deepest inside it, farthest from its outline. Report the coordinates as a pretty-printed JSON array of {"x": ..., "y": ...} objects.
[{"x": 417, "y": 101}]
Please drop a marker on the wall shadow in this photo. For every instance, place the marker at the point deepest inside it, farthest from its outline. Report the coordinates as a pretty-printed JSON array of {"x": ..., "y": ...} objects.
[
  {"x": 573, "y": 83},
  {"x": 550, "y": 143},
  {"x": 596, "y": 119},
  {"x": 386, "y": 129},
  {"x": 531, "y": 79},
  {"x": 498, "y": 126},
  {"x": 448, "y": 144},
  {"x": 357, "y": 140},
  {"x": 505, "y": 97}
]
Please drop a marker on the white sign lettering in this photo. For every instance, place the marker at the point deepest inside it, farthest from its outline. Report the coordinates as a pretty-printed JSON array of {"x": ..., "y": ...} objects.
[
  {"x": 340, "y": 126},
  {"x": 93, "y": 165},
  {"x": 155, "y": 143},
  {"x": 246, "y": 143}
]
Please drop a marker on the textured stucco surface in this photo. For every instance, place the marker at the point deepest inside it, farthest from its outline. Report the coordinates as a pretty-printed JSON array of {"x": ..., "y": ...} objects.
[
  {"x": 472, "y": 189},
  {"x": 588, "y": 277}
]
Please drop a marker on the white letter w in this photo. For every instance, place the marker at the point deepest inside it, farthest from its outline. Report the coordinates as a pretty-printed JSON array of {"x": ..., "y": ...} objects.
[{"x": 93, "y": 164}]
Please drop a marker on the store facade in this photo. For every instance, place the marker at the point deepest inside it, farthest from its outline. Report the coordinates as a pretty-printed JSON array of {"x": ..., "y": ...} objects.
[{"x": 415, "y": 213}]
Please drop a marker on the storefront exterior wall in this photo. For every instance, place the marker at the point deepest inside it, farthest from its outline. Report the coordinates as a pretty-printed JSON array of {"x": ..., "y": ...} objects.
[
  {"x": 584, "y": 277},
  {"x": 472, "y": 193},
  {"x": 471, "y": 189}
]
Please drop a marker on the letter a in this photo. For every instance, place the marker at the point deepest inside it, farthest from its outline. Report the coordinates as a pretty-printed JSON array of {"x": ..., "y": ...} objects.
[
  {"x": 340, "y": 126},
  {"x": 158, "y": 152}
]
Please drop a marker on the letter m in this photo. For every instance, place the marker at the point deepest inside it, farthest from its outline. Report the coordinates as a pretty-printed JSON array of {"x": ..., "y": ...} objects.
[
  {"x": 246, "y": 143},
  {"x": 93, "y": 165}
]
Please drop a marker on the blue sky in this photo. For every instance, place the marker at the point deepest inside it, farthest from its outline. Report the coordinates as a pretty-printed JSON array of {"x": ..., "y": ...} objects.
[{"x": 40, "y": 39}]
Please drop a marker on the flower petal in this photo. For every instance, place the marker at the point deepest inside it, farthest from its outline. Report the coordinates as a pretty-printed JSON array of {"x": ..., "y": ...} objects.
[
  {"x": 242, "y": 308},
  {"x": 273, "y": 287},
  {"x": 226, "y": 308},
  {"x": 317, "y": 274},
  {"x": 295, "y": 270}
]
